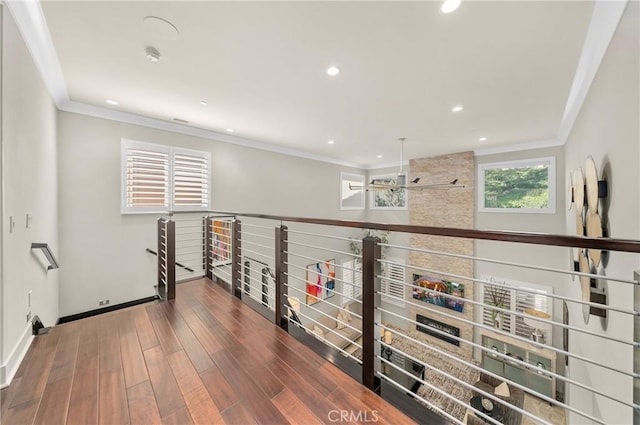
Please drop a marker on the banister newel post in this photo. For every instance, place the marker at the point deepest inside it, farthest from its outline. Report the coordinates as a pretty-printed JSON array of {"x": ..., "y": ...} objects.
[
  {"x": 371, "y": 254},
  {"x": 236, "y": 258},
  {"x": 282, "y": 291},
  {"x": 208, "y": 238},
  {"x": 171, "y": 259}
]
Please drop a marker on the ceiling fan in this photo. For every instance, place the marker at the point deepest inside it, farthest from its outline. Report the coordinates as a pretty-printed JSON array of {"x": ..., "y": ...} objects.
[{"x": 400, "y": 182}]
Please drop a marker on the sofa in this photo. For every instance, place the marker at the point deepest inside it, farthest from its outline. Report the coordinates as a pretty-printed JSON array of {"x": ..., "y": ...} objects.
[
  {"x": 339, "y": 334},
  {"x": 510, "y": 416}
]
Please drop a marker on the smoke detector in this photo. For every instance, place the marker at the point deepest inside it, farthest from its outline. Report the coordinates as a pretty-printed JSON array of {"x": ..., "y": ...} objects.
[{"x": 152, "y": 53}]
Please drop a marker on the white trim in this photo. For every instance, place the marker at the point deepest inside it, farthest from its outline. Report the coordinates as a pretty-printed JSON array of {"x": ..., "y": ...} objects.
[
  {"x": 372, "y": 195},
  {"x": 518, "y": 147},
  {"x": 10, "y": 367},
  {"x": 125, "y": 117},
  {"x": 32, "y": 24},
  {"x": 33, "y": 27},
  {"x": 360, "y": 179},
  {"x": 604, "y": 22},
  {"x": 551, "y": 188}
]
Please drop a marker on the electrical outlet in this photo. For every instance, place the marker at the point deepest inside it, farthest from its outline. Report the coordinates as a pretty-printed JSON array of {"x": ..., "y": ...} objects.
[
  {"x": 12, "y": 224},
  {"x": 29, "y": 220},
  {"x": 103, "y": 302},
  {"x": 29, "y": 299}
]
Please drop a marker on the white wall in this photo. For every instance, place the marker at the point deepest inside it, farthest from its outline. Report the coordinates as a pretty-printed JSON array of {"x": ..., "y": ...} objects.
[
  {"x": 529, "y": 254},
  {"x": 106, "y": 248},
  {"x": 29, "y": 175},
  {"x": 607, "y": 128}
]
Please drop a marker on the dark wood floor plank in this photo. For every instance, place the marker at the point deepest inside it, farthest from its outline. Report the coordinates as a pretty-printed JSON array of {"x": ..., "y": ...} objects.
[
  {"x": 22, "y": 414},
  {"x": 221, "y": 392},
  {"x": 202, "y": 408},
  {"x": 238, "y": 415},
  {"x": 83, "y": 404},
  {"x": 167, "y": 337},
  {"x": 178, "y": 417},
  {"x": 110, "y": 360},
  {"x": 313, "y": 374},
  {"x": 146, "y": 333},
  {"x": 135, "y": 369},
  {"x": 294, "y": 410},
  {"x": 259, "y": 406},
  {"x": 205, "y": 335},
  {"x": 54, "y": 403},
  {"x": 197, "y": 354},
  {"x": 302, "y": 388},
  {"x": 112, "y": 399},
  {"x": 35, "y": 377},
  {"x": 142, "y": 404},
  {"x": 364, "y": 395},
  {"x": 206, "y": 358},
  {"x": 165, "y": 386}
]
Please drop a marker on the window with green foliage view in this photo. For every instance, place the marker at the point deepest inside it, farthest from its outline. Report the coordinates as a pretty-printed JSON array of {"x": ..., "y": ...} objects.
[{"x": 522, "y": 186}]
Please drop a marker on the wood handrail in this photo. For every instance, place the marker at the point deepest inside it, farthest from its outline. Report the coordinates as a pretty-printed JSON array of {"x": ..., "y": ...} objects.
[{"x": 609, "y": 244}]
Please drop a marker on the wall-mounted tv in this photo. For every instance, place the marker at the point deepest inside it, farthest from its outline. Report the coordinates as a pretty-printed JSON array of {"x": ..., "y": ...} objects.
[{"x": 439, "y": 285}]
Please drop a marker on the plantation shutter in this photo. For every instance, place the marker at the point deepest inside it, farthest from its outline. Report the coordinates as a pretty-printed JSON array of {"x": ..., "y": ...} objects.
[
  {"x": 537, "y": 302},
  {"x": 159, "y": 178},
  {"x": 393, "y": 283},
  {"x": 352, "y": 277},
  {"x": 190, "y": 180},
  {"x": 146, "y": 180}
]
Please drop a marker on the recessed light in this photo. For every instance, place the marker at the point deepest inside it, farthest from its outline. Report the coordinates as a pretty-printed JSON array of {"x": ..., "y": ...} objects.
[
  {"x": 457, "y": 108},
  {"x": 203, "y": 102},
  {"x": 449, "y": 6},
  {"x": 331, "y": 142},
  {"x": 379, "y": 156},
  {"x": 482, "y": 139},
  {"x": 230, "y": 130},
  {"x": 111, "y": 102},
  {"x": 333, "y": 71}
]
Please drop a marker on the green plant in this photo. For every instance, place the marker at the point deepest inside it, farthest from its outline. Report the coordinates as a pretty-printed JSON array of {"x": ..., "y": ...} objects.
[{"x": 356, "y": 244}]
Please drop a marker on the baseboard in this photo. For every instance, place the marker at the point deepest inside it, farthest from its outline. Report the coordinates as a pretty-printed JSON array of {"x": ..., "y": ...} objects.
[
  {"x": 10, "y": 367},
  {"x": 71, "y": 318}
]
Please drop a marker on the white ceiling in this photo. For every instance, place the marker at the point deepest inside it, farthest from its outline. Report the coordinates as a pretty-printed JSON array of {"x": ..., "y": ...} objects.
[{"x": 261, "y": 68}]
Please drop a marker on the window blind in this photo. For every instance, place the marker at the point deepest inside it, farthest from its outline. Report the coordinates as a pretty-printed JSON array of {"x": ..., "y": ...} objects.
[
  {"x": 147, "y": 179},
  {"x": 394, "y": 284}
]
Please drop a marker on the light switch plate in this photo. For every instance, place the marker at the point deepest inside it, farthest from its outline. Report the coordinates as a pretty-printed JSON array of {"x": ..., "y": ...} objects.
[
  {"x": 29, "y": 220},
  {"x": 12, "y": 224}
]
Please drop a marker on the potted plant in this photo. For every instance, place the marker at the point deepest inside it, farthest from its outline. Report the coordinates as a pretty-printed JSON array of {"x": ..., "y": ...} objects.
[{"x": 497, "y": 297}]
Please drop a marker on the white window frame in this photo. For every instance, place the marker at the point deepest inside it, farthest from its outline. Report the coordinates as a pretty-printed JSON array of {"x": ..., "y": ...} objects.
[
  {"x": 372, "y": 194},
  {"x": 550, "y": 162},
  {"x": 510, "y": 322},
  {"x": 355, "y": 178},
  {"x": 171, "y": 151}
]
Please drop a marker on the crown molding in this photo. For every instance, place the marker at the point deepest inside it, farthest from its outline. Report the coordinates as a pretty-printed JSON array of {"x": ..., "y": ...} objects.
[
  {"x": 32, "y": 24},
  {"x": 518, "y": 147},
  {"x": 33, "y": 27},
  {"x": 604, "y": 22},
  {"x": 143, "y": 121}
]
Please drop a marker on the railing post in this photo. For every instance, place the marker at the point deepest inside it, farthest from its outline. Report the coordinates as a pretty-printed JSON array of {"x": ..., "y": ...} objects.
[
  {"x": 171, "y": 259},
  {"x": 162, "y": 238},
  {"x": 236, "y": 258},
  {"x": 282, "y": 289},
  {"x": 208, "y": 236},
  {"x": 636, "y": 337},
  {"x": 371, "y": 254}
]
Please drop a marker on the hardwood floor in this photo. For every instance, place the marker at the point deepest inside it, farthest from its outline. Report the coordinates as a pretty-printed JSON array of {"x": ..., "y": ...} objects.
[{"x": 204, "y": 358}]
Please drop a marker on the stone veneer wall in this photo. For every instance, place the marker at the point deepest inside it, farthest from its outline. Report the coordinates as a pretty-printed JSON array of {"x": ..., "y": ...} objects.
[{"x": 444, "y": 208}]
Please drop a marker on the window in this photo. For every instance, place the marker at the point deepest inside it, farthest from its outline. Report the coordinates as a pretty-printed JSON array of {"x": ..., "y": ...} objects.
[
  {"x": 387, "y": 199},
  {"x": 394, "y": 283},
  {"x": 352, "y": 277},
  {"x": 536, "y": 298},
  {"x": 350, "y": 198},
  {"x": 159, "y": 178},
  {"x": 518, "y": 186}
]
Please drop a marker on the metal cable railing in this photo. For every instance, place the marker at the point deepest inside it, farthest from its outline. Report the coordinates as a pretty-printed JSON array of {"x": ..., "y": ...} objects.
[{"x": 378, "y": 293}]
